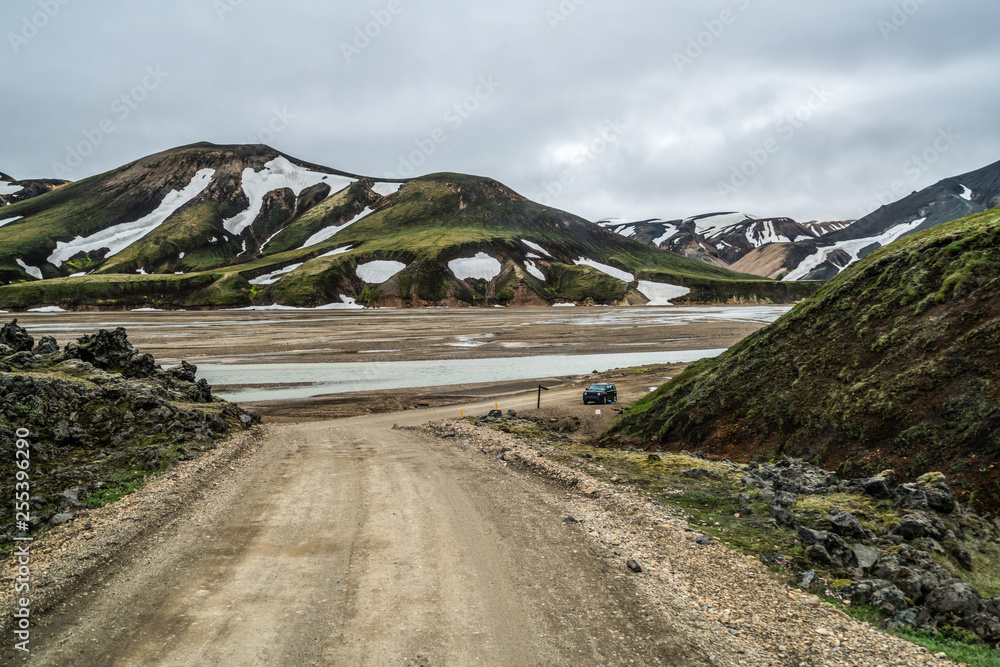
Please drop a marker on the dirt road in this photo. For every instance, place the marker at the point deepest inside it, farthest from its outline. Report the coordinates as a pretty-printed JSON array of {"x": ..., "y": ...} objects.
[{"x": 349, "y": 542}]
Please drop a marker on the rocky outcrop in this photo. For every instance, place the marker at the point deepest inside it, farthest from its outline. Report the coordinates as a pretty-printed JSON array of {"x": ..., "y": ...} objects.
[
  {"x": 907, "y": 568},
  {"x": 101, "y": 417}
]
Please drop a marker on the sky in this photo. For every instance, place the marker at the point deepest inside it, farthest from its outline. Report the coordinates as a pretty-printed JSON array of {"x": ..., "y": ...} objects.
[{"x": 818, "y": 111}]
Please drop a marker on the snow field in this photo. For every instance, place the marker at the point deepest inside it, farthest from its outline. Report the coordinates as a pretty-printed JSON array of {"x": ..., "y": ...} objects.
[
  {"x": 277, "y": 174},
  {"x": 121, "y": 236}
]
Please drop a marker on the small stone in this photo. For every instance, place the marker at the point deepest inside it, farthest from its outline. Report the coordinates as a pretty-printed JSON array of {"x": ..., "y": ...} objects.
[
  {"x": 704, "y": 540},
  {"x": 633, "y": 565},
  {"x": 570, "y": 519},
  {"x": 590, "y": 491}
]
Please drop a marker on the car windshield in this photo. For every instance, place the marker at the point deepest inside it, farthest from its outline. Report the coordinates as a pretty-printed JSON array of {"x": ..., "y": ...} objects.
[{"x": 597, "y": 387}]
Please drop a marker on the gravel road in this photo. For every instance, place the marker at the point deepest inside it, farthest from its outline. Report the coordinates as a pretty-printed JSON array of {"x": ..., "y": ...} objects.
[{"x": 351, "y": 542}]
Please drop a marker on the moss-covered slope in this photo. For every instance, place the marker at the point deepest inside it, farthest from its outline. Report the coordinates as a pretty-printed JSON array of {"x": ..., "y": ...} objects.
[
  {"x": 316, "y": 237},
  {"x": 892, "y": 365}
]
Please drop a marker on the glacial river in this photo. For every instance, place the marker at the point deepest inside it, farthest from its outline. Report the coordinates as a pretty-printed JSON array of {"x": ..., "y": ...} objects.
[{"x": 305, "y": 380}]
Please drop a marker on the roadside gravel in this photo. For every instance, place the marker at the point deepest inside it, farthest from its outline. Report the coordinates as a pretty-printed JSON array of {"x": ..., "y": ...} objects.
[
  {"x": 91, "y": 542},
  {"x": 733, "y": 599}
]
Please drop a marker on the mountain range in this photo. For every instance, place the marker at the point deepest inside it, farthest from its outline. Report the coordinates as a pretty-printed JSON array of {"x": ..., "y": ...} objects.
[
  {"x": 784, "y": 249},
  {"x": 208, "y": 226}
]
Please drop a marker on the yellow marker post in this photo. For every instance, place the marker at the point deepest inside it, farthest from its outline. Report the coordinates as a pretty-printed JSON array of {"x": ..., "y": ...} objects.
[
  {"x": 461, "y": 414},
  {"x": 497, "y": 405}
]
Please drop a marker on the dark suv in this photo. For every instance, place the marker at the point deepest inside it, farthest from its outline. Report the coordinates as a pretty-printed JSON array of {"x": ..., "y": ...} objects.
[{"x": 601, "y": 392}]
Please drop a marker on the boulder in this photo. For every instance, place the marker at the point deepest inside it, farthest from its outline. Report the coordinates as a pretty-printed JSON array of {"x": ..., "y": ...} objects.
[
  {"x": 955, "y": 597},
  {"x": 104, "y": 350},
  {"x": 47, "y": 345},
  {"x": 914, "y": 617},
  {"x": 917, "y": 525},
  {"x": 911, "y": 496},
  {"x": 938, "y": 493},
  {"x": 877, "y": 593},
  {"x": 834, "y": 545},
  {"x": 880, "y": 486},
  {"x": 963, "y": 557},
  {"x": 782, "y": 517},
  {"x": 845, "y": 525},
  {"x": 784, "y": 498},
  {"x": 889, "y": 600},
  {"x": 818, "y": 554},
  {"x": 864, "y": 556},
  {"x": 984, "y": 626},
  {"x": 16, "y": 337},
  {"x": 184, "y": 371},
  {"x": 809, "y": 536}
]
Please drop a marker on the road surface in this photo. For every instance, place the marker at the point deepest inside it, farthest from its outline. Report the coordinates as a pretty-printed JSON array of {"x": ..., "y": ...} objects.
[{"x": 350, "y": 542}]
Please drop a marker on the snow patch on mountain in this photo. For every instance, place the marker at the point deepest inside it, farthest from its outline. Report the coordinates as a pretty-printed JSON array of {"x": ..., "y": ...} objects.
[
  {"x": 277, "y": 174},
  {"x": 609, "y": 270},
  {"x": 7, "y": 221},
  {"x": 765, "y": 235},
  {"x": 480, "y": 267},
  {"x": 274, "y": 276},
  {"x": 530, "y": 267},
  {"x": 966, "y": 193},
  {"x": 32, "y": 271},
  {"x": 378, "y": 271},
  {"x": 536, "y": 247},
  {"x": 338, "y": 251},
  {"x": 346, "y": 303},
  {"x": 714, "y": 223},
  {"x": 329, "y": 232},
  {"x": 660, "y": 294},
  {"x": 8, "y": 188},
  {"x": 668, "y": 231},
  {"x": 121, "y": 236},
  {"x": 386, "y": 189},
  {"x": 852, "y": 248}
]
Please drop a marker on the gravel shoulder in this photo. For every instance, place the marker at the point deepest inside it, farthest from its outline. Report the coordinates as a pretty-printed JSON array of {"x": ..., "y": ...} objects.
[{"x": 729, "y": 601}]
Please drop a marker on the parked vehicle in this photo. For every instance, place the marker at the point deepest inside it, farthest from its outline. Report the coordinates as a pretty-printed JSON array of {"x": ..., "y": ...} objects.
[{"x": 600, "y": 392}]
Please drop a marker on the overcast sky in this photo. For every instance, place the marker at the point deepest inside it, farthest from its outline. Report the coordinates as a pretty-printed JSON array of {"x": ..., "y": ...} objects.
[{"x": 667, "y": 109}]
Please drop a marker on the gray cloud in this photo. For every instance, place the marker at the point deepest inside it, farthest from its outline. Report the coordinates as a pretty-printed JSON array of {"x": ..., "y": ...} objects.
[{"x": 637, "y": 109}]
